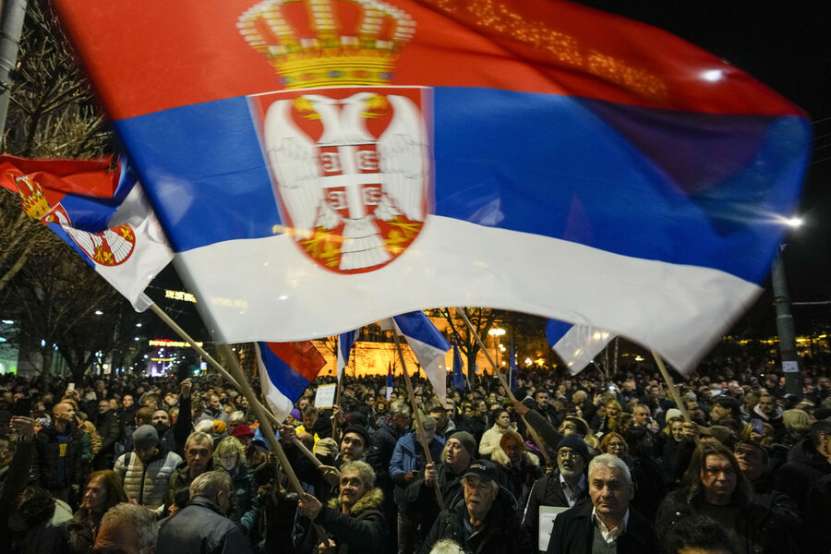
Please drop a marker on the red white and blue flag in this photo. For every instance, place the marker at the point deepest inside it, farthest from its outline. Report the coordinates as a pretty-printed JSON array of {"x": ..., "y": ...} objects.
[
  {"x": 345, "y": 343},
  {"x": 98, "y": 208},
  {"x": 319, "y": 165},
  {"x": 286, "y": 370}
]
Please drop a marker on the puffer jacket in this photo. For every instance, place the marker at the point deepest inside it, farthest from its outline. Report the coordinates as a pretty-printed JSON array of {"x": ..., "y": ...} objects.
[
  {"x": 363, "y": 530},
  {"x": 146, "y": 485}
]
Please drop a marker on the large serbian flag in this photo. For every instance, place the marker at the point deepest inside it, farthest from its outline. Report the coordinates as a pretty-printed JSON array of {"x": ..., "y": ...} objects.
[
  {"x": 321, "y": 164},
  {"x": 99, "y": 209},
  {"x": 286, "y": 370}
]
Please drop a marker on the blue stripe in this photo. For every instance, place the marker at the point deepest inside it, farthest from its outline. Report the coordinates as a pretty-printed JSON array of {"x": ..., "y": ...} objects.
[
  {"x": 691, "y": 189},
  {"x": 555, "y": 330},
  {"x": 346, "y": 340},
  {"x": 281, "y": 374},
  {"x": 418, "y": 326}
]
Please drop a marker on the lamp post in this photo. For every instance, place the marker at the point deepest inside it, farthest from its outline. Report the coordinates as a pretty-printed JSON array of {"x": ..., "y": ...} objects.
[
  {"x": 784, "y": 319},
  {"x": 497, "y": 332}
]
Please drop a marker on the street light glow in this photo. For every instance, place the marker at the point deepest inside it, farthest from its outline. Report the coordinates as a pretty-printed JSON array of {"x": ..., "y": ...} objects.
[
  {"x": 496, "y": 332},
  {"x": 99, "y": 312},
  {"x": 794, "y": 222}
]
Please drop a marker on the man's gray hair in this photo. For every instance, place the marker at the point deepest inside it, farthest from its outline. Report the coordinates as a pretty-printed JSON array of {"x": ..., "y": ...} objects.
[
  {"x": 399, "y": 407},
  {"x": 613, "y": 462},
  {"x": 364, "y": 470},
  {"x": 135, "y": 517},
  {"x": 210, "y": 483}
]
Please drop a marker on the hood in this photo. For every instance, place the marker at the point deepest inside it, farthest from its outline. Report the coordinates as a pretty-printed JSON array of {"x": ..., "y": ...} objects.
[{"x": 372, "y": 500}]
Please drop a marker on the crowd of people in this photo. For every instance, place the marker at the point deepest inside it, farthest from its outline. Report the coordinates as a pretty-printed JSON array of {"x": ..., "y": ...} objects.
[{"x": 564, "y": 464}]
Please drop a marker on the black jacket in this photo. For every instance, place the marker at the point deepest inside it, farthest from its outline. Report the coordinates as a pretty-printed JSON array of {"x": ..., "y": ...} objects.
[
  {"x": 805, "y": 466},
  {"x": 109, "y": 428},
  {"x": 59, "y": 466},
  {"x": 546, "y": 491},
  {"x": 573, "y": 533},
  {"x": 200, "y": 528},
  {"x": 363, "y": 531},
  {"x": 500, "y": 533}
]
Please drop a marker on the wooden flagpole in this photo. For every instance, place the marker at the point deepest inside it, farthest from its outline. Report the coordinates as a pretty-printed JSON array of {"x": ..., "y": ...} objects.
[
  {"x": 416, "y": 413},
  {"x": 673, "y": 390},
  {"x": 505, "y": 386}
]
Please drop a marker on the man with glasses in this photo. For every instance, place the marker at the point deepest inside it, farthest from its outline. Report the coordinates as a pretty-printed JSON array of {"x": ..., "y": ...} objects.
[
  {"x": 563, "y": 488},
  {"x": 486, "y": 521}
]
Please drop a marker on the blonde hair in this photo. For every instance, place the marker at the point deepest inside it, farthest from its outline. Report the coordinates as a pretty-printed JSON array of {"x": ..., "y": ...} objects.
[{"x": 229, "y": 445}]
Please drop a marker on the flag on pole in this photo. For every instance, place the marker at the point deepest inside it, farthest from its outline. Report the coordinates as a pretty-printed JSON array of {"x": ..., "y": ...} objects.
[
  {"x": 577, "y": 345},
  {"x": 458, "y": 376},
  {"x": 429, "y": 347},
  {"x": 286, "y": 370},
  {"x": 512, "y": 376},
  {"x": 99, "y": 209},
  {"x": 390, "y": 383},
  {"x": 326, "y": 187},
  {"x": 345, "y": 343}
]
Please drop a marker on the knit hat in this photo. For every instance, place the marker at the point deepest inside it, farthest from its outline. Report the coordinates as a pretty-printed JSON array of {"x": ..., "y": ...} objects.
[
  {"x": 467, "y": 440},
  {"x": 576, "y": 444},
  {"x": 144, "y": 437},
  {"x": 359, "y": 430},
  {"x": 218, "y": 426},
  {"x": 796, "y": 420}
]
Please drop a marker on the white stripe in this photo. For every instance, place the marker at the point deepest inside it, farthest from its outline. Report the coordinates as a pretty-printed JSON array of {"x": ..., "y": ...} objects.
[
  {"x": 579, "y": 346},
  {"x": 279, "y": 403},
  {"x": 252, "y": 285}
]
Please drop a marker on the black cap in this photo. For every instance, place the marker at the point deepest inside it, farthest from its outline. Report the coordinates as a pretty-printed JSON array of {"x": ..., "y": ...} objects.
[
  {"x": 358, "y": 430},
  {"x": 484, "y": 469}
]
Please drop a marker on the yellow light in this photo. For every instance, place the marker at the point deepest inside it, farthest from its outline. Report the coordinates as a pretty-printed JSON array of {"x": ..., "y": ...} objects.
[
  {"x": 170, "y": 343},
  {"x": 497, "y": 332}
]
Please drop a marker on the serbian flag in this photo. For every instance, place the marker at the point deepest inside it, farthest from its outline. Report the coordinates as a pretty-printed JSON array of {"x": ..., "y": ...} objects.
[
  {"x": 325, "y": 164},
  {"x": 98, "y": 208},
  {"x": 577, "y": 345},
  {"x": 286, "y": 370},
  {"x": 345, "y": 343},
  {"x": 429, "y": 347}
]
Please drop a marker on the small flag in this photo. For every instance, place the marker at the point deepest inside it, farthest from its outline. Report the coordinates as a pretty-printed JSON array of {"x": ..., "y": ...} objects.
[
  {"x": 512, "y": 374},
  {"x": 458, "y": 376},
  {"x": 577, "y": 345},
  {"x": 389, "y": 381},
  {"x": 286, "y": 370},
  {"x": 100, "y": 211},
  {"x": 345, "y": 343},
  {"x": 429, "y": 347}
]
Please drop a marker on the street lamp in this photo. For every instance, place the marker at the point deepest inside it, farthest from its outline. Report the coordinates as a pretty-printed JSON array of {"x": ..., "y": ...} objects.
[
  {"x": 784, "y": 318},
  {"x": 497, "y": 332}
]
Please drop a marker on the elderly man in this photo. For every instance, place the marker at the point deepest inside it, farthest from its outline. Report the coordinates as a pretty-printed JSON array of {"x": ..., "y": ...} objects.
[
  {"x": 606, "y": 524},
  {"x": 486, "y": 522},
  {"x": 127, "y": 529},
  {"x": 354, "y": 520},
  {"x": 202, "y": 526},
  {"x": 563, "y": 488},
  {"x": 199, "y": 449}
]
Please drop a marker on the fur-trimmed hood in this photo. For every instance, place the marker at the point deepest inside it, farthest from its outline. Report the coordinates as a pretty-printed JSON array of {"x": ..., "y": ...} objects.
[{"x": 372, "y": 500}]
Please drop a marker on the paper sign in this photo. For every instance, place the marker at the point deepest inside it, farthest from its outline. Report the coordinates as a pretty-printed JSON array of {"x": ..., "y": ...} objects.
[
  {"x": 790, "y": 366},
  {"x": 547, "y": 516},
  {"x": 325, "y": 397}
]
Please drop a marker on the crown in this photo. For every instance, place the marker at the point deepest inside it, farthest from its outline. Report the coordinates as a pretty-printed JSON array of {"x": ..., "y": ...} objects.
[
  {"x": 314, "y": 43},
  {"x": 31, "y": 197}
]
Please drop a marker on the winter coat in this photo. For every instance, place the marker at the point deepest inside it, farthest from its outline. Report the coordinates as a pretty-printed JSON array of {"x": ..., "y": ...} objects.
[
  {"x": 59, "y": 461},
  {"x": 362, "y": 531},
  {"x": 109, "y": 429},
  {"x": 518, "y": 479},
  {"x": 408, "y": 457},
  {"x": 499, "y": 534},
  {"x": 420, "y": 499},
  {"x": 546, "y": 491},
  {"x": 146, "y": 485},
  {"x": 243, "y": 490},
  {"x": 14, "y": 481},
  {"x": 178, "y": 489},
  {"x": 804, "y": 467},
  {"x": 81, "y": 532},
  {"x": 759, "y": 529},
  {"x": 201, "y": 528},
  {"x": 490, "y": 440},
  {"x": 573, "y": 533}
]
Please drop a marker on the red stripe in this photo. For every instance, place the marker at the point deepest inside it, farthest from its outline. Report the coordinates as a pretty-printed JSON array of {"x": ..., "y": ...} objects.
[
  {"x": 97, "y": 178},
  {"x": 156, "y": 54},
  {"x": 302, "y": 357}
]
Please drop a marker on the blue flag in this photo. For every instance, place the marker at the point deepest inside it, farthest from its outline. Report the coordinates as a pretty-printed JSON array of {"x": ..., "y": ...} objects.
[
  {"x": 345, "y": 343},
  {"x": 458, "y": 376}
]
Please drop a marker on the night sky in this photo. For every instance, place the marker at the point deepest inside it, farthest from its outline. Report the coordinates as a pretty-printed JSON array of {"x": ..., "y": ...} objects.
[{"x": 787, "y": 47}]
